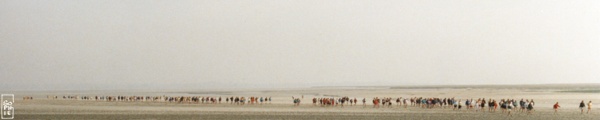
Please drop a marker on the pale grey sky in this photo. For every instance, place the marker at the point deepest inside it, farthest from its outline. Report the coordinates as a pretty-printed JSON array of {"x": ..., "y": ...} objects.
[{"x": 123, "y": 44}]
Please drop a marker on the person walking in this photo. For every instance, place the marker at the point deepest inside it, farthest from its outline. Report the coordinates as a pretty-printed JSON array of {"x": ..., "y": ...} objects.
[
  {"x": 589, "y": 107},
  {"x": 529, "y": 108},
  {"x": 556, "y": 106},
  {"x": 581, "y": 106},
  {"x": 509, "y": 108}
]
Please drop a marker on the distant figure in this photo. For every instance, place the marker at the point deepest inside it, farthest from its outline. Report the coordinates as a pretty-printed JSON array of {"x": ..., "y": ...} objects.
[
  {"x": 237, "y": 100},
  {"x": 297, "y": 102},
  {"x": 529, "y": 108},
  {"x": 405, "y": 102},
  {"x": 261, "y": 100},
  {"x": 459, "y": 104},
  {"x": 483, "y": 105},
  {"x": 556, "y": 106},
  {"x": 477, "y": 105},
  {"x": 455, "y": 103},
  {"x": 589, "y": 107},
  {"x": 351, "y": 102},
  {"x": 581, "y": 106},
  {"x": 515, "y": 104},
  {"x": 375, "y": 102},
  {"x": 522, "y": 104},
  {"x": 509, "y": 108},
  {"x": 364, "y": 101},
  {"x": 468, "y": 104},
  {"x": 490, "y": 105}
]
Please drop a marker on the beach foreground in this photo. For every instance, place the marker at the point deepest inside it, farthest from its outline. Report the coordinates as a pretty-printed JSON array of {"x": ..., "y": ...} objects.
[
  {"x": 107, "y": 110},
  {"x": 282, "y": 107}
]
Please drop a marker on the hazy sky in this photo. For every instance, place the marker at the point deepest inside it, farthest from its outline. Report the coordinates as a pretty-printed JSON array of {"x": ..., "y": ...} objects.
[{"x": 130, "y": 44}]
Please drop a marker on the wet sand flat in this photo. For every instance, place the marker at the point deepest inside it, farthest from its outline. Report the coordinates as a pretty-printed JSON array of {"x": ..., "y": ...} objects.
[
  {"x": 282, "y": 108},
  {"x": 112, "y": 110}
]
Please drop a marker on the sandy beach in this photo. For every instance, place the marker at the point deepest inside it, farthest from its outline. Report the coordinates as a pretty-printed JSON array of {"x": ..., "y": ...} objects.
[
  {"x": 158, "y": 59},
  {"x": 282, "y": 108},
  {"x": 107, "y": 110}
]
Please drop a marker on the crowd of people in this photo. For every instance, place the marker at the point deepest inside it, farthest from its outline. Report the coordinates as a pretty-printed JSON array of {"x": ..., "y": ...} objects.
[
  {"x": 334, "y": 102},
  {"x": 251, "y": 100},
  {"x": 27, "y": 98},
  {"x": 172, "y": 99},
  {"x": 582, "y": 106},
  {"x": 507, "y": 106}
]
